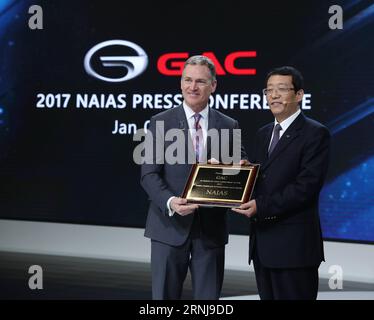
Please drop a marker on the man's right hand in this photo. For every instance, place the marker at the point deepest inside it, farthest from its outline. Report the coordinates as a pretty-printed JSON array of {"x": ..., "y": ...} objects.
[{"x": 180, "y": 206}]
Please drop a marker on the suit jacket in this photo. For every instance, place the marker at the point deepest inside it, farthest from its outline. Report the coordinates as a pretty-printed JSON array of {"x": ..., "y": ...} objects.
[
  {"x": 286, "y": 229},
  {"x": 162, "y": 181}
]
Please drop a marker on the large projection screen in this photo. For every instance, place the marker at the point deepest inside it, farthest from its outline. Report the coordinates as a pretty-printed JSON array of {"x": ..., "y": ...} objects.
[{"x": 73, "y": 94}]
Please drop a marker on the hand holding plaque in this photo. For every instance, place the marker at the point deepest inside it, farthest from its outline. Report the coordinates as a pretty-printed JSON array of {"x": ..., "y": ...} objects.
[{"x": 220, "y": 185}]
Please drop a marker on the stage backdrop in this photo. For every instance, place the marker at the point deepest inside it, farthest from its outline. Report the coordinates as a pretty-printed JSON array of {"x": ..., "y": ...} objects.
[{"x": 73, "y": 94}]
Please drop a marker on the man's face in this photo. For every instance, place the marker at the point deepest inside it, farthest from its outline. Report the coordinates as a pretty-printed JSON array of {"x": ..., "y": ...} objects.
[
  {"x": 197, "y": 86},
  {"x": 282, "y": 98}
]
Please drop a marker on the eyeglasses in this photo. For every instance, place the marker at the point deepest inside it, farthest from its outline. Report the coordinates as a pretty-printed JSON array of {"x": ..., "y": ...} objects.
[
  {"x": 281, "y": 90},
  {"x": 199, "y": 82}
]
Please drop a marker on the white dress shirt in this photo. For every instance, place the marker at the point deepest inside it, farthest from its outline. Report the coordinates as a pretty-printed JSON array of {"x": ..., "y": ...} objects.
[
  {"x": 191, "y": 127},
  {"x": 191, "y": 121},
  {"x": 284, "y": 125}
]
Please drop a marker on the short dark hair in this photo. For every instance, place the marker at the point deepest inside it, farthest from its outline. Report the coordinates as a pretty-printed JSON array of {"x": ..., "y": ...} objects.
[{"x": 297, "y": 78}]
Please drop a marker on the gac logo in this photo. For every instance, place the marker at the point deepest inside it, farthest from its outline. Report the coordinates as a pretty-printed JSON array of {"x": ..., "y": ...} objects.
[
  {"x": 171, "y": 64},
  {"x": 133, "y": 65}
]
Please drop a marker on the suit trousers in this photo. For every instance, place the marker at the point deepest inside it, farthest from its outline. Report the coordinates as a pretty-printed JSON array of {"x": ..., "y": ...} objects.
[
  {"x": 170, "y": 265},
  {"x": 285, "y": 283}
]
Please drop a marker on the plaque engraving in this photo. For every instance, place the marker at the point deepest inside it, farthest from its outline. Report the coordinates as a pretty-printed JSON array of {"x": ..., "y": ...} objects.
[{"x": 219, "y": 185}]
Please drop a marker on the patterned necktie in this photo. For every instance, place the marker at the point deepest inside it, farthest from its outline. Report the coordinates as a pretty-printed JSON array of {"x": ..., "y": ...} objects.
[
  {"x": 198, "y": 141},
  {"x": 275, "y": 140}
]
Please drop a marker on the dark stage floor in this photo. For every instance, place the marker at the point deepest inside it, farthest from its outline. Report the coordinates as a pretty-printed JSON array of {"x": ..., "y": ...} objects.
[{"x": 83, "y": 278}]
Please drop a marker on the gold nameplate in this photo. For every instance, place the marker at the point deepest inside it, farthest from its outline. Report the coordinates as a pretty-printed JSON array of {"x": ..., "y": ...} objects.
[{"x": 219, "y": 185}]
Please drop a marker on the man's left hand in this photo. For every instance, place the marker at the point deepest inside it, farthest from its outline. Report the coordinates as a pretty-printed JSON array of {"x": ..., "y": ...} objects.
[
  {"x": 249, "y": 209},
  {"x": 244, "y": 162}
]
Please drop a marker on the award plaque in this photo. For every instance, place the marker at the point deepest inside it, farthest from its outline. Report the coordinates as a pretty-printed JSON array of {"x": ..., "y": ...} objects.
[{"x": 220, "y": 185}]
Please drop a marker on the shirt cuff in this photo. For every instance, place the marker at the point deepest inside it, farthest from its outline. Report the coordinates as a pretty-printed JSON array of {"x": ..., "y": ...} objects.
[{"x": 170, "y": 211}]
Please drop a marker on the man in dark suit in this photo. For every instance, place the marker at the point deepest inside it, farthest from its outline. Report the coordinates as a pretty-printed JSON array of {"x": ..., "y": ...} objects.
[
  {"x": 285, "y": 239},
  {"x": 185, "y": 235}
]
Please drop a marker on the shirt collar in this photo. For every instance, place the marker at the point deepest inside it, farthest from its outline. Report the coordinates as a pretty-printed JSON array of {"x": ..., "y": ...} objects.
[
  {"x": 287, "y": 122},
  {"x": 190, "y": 113}
]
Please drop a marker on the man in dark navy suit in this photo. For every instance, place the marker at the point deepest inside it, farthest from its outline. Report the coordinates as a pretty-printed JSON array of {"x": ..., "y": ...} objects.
[
  {"x": 185, "y": 235},
  {"x": 285, "y": 237}
]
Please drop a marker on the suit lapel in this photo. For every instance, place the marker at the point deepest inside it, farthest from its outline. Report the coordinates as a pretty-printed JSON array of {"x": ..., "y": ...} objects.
[
  {"x": 212, "y": 119},
  {"x": 181, "y": 120},
  {"x": 182, "y": 124},
  {"x": 213, "y": 123},
  {"x": 288, "y": 136},
  {"x": 263, "y": 149}
]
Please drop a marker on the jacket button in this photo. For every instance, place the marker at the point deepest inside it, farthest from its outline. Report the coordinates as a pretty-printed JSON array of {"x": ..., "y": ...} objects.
[{"x": 263, "y": 176}]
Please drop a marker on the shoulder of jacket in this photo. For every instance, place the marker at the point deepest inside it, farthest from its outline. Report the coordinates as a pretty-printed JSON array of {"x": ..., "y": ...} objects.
[{"x": 165, "y": 114}]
